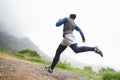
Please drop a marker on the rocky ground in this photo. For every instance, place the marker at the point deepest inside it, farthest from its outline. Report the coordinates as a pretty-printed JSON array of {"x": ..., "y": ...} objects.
[{"x": 15, "y": 69}]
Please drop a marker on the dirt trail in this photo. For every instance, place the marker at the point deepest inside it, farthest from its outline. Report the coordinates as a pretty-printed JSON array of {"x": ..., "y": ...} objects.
[{"x": 15, "y": 69}]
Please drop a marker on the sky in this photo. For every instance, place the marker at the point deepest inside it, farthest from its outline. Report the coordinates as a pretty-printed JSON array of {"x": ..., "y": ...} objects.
[{"x": 98, "y": 19}]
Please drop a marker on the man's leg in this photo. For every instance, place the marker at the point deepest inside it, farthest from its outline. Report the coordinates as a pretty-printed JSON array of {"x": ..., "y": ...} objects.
[
  {"x": 77, "y": 49},
  {"x": 59, "y": 50}
]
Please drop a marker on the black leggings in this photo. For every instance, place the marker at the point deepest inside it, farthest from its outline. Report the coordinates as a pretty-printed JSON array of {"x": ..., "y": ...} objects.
[{"x": 74, "y": 47}]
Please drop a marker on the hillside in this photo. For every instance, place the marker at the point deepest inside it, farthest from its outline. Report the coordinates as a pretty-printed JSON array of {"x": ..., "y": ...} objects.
[
  {"x": 15, "y": 69},
  {"x": 15, "y": 44}
]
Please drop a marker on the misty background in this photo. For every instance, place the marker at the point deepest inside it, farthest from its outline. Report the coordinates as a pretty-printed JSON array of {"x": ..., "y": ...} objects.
[{"x": 36, "y": 19}]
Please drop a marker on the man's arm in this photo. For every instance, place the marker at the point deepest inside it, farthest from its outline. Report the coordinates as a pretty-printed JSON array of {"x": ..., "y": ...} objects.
[
  {"x": 60, "y": 22},
  {"x": 81, "y": 33}
]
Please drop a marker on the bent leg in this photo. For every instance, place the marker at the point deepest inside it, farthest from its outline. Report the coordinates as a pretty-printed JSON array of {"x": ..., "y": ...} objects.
[
  {"x": 59, "y": 50},
  {"x": 77, "y": 49}
]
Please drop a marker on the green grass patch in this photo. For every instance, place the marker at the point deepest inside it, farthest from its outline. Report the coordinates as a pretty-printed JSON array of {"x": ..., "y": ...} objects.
[
  {"x": 35, "y": 59},
  {"x": 27, "y": 56},
  {"x": 110, "y": 74},
  {"x": 30, "y": 53},
  {"x": 64, "y": 65},
  {"x": 87, "y": 71}
]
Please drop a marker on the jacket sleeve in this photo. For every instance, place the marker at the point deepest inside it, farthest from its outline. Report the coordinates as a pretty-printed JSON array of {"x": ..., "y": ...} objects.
[
  {"x": 60, "y": 22},
  {"x": 80, "y": 31}
]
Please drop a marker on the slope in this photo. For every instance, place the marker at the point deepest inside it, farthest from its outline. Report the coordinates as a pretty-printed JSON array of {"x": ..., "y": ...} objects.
[
  {"x": 16, "y": 69},
  {"x": 15, "y": 44}
]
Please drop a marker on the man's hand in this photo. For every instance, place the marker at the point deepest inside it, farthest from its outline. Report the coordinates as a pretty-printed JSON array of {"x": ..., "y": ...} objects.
[{"x": 59, "y": 19}]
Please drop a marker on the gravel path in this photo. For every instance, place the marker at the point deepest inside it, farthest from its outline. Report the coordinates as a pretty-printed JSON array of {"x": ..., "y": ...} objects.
[{"x": 15, "y": 69}]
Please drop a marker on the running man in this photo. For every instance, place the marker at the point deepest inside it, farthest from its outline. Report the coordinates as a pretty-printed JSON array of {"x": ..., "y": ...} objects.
[{"x": 69, "y": 40}]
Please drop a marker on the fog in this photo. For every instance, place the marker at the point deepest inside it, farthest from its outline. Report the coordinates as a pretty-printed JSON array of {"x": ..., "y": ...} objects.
[
  {"x": 10, "y": 21},
  {"x": 99, "y": 21}
]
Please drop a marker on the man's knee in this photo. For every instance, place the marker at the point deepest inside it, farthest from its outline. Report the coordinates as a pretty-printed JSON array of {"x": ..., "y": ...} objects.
[
  {"x": 74, "y": 48},
  {"x": 60, "y": 49}
]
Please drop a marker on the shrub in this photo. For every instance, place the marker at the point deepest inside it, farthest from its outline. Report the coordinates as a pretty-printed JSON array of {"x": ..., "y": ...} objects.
[
  {"x": 1, "y": 49},
  {"x": 88, "y": 68},
  {"x": 29, "y": 52}
]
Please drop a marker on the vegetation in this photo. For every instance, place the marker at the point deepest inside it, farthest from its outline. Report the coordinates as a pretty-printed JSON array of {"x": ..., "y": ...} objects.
[
  {"x": 33, "y": 56},
  {"x": 110, "y": 74},
  {"x": 30, "y": 53}
]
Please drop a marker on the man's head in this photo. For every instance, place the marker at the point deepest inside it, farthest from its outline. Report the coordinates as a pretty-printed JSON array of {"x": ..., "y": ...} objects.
[{"x": 73, "y": 16}]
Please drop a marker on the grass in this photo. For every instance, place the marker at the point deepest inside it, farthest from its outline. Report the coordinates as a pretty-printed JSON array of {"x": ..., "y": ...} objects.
[
  {"x": 104, "y": 73},
  {"x": 110, "y": 74}
]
